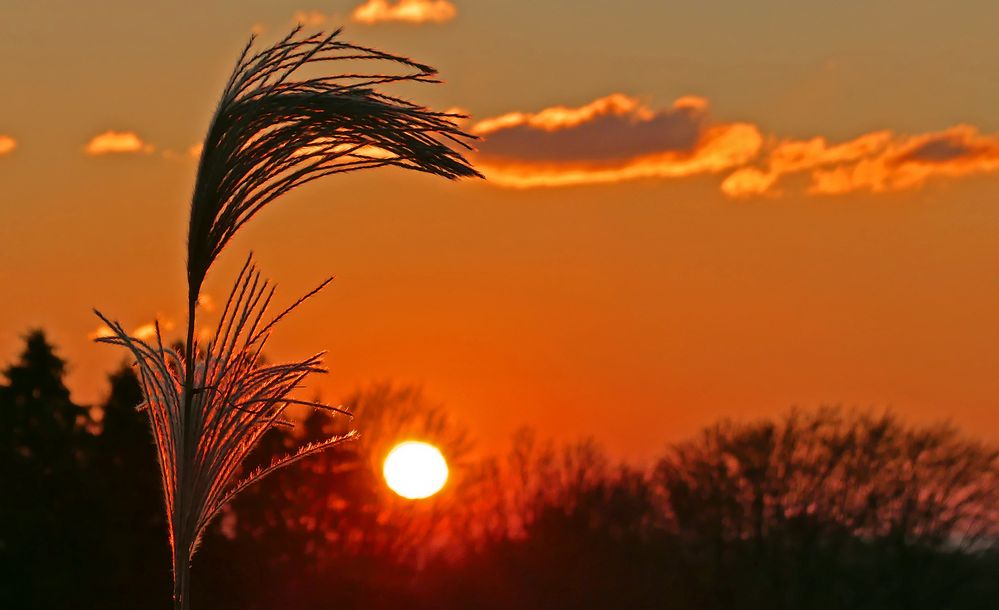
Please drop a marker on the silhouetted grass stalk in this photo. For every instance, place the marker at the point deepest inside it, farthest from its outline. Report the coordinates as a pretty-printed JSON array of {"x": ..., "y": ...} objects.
[{"x": 272, "y": 131}]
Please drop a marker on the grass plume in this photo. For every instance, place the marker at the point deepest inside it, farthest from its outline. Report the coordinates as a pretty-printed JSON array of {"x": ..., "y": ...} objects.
[
  {"x": 201, "y": 445},
  {"x": 273, "y": 130}
]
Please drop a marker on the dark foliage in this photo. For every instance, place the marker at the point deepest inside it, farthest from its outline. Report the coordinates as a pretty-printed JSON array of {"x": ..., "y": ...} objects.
[
  {"x": 820, "y": 510},
  {"x": 80, "y": 512}
]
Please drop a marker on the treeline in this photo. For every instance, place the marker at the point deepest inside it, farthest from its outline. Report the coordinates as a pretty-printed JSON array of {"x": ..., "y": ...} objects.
[{"x": 821, "y": 509}]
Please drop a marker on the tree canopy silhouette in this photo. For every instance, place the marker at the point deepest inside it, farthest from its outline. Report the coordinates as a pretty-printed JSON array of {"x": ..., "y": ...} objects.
[{"x": 820, "y": 509}]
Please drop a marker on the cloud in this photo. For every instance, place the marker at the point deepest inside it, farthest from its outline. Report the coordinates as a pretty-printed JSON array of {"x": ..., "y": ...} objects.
[
  {"x": 618, "y": 138},
  {"x": 355, "y": 152},
  {"x": 410, "y": 11},
  {"x": 611, "y": 139},
  {"x": 167, "y": 324},
  {"x": 145, "y": 331},
  {"x": 7, "y": 145},
  {"x": 792, "y": 156},
  {"x": 878, "y": 162},
  {"x": 117, "y": 142}
]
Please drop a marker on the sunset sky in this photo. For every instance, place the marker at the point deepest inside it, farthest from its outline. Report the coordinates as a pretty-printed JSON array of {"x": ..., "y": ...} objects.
[{"x": 693, "y": 210}]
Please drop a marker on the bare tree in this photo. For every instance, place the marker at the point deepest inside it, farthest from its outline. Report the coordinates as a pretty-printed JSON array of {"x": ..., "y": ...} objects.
[{"x": 818, "y": 485}]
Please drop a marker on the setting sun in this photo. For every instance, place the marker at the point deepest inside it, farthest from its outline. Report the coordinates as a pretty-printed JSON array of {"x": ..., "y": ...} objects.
[{"x": 415, "y": 470}]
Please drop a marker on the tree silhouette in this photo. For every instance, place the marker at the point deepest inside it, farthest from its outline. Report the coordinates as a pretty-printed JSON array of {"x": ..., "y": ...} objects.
[
  {"x": 824, "y": 509},
  {"x": 138, "y": 557},
  {"x": 332, "y": 516},
  {"x": 569, "y": 529},
  {"x": 830, "y": 509},
  {"x": 46, "y": 500}
]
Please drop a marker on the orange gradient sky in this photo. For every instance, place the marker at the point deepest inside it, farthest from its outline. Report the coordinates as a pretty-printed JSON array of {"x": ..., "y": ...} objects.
[{"x": 695, "y": 210}]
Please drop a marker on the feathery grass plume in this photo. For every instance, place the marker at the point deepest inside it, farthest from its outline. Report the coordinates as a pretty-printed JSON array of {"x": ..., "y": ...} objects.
[
  {"x": 273, "y": 130},
  {"x": 237, "y": 400}
]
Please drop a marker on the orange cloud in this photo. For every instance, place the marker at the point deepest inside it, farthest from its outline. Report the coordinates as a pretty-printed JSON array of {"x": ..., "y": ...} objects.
[
  {"x": 562, "y": 117},
  {"x": 956, "y": 152},
  {"x": 7, "y": 145},
  {"x": 100, "y": 332},
  {"x": 117, "y": 142},
  {"x": 329, "y": 145},
  {"x": 145, "y": 332},
  {"x": 411, "y": 11},
  {"x": 611, "y": 139},
  {"x": 618, "y": 138},
  {"x": 877, "y": 162}
]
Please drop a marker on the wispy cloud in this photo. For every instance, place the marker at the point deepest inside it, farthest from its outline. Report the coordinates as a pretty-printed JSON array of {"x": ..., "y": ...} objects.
[
  {"x": 117, "y": 142},
  {"x": 7, "y": 145},
  {"x": 410, "y": 11},
  {"x": 619, "y": 138},
  {"x": 878, "y": 162},
  {"x": 612, "y": 139}
]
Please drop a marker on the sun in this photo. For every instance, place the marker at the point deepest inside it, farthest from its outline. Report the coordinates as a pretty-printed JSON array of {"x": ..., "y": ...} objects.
[{"x": 415, "y": 470}]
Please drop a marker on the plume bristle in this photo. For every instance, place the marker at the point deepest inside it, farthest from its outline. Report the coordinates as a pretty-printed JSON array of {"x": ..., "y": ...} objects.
[
  {"x": 268, "y": 115},
  {"x": 236, "y": 400}
]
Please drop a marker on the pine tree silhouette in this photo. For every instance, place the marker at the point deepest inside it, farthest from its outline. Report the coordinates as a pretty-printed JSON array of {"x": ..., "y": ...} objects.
[
  {"x": 126, "y": 472},
  {"x": 45, "y": 502}
]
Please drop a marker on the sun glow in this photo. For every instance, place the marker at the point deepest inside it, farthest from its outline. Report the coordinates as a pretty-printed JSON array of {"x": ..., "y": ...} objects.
[{"x": 415, "y": 470}]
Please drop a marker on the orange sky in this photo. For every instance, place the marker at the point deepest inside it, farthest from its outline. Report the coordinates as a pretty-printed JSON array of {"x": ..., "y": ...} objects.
[{"x": 692, "y": 212}]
